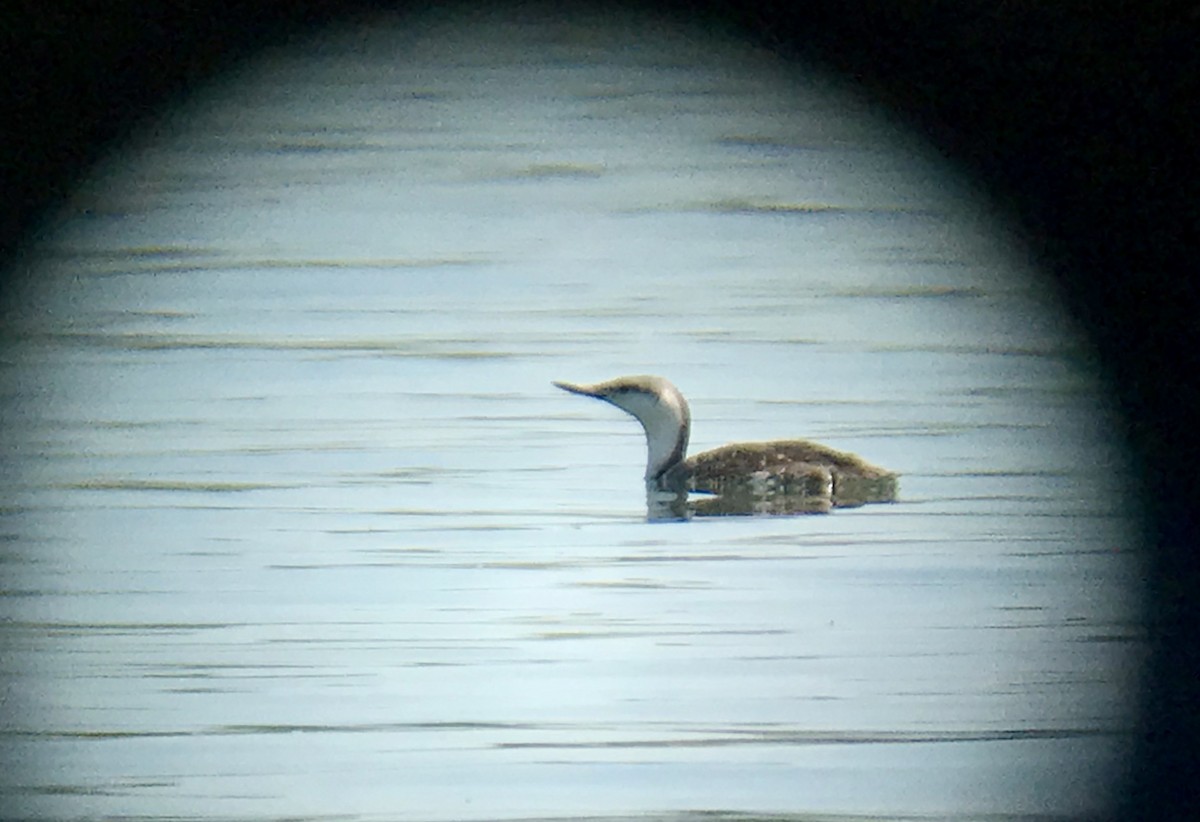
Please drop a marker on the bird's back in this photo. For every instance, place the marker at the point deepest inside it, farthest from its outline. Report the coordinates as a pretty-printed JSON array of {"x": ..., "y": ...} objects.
[{"x": 788, "y": 466}]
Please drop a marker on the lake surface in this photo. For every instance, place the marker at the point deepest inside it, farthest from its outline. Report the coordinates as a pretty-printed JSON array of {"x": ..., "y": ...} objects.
[{"x": 296, "y": 526}]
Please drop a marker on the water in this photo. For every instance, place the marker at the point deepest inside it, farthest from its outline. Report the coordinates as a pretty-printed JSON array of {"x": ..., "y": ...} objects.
[{"x": 296, "y": 525}]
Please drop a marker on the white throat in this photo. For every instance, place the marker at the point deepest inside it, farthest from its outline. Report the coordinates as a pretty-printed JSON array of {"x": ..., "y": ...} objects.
[
  {"x": 658, "y": 406},
  {"x": 666, "y": 420}
]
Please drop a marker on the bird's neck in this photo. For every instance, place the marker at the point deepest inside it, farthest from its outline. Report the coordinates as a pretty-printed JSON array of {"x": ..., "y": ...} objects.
[
  {"x": 665, "y": 418},
  {"x": 667, "y": 423},
  {"x": 666, "y": 446}
]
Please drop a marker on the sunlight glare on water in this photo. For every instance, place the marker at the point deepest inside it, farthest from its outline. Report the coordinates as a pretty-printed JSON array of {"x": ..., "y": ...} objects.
[{"x": 296, "y": 524}]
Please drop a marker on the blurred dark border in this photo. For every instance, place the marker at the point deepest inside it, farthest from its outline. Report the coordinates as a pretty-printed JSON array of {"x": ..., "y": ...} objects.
[{"x": 1079, "y": 118}]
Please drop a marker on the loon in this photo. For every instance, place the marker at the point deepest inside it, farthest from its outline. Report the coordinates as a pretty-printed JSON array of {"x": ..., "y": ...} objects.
[{"x": 799, "y": 468}]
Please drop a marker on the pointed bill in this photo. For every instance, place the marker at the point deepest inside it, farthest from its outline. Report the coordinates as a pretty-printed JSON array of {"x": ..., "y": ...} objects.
[{"x": 585, "y": 390}]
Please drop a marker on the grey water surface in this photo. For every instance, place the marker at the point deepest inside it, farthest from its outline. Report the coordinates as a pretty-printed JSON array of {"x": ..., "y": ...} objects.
[{"x": 295, "y": 525}]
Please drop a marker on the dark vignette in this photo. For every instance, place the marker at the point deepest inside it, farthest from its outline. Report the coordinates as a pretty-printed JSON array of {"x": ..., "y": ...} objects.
[{"x": 1076, "y": 118}]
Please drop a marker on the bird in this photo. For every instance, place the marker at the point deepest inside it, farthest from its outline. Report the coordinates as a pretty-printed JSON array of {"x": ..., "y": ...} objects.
[{"x": 745, "y": 474}]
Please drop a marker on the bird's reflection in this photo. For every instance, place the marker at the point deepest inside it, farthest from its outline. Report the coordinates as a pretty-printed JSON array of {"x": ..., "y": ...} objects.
[{"x": 813, "y": 491}]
